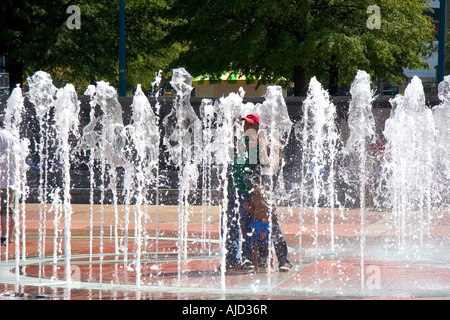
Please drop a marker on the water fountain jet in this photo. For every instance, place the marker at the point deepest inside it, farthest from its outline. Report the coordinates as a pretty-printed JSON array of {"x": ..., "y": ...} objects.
[{"x": 347, "y": 246}]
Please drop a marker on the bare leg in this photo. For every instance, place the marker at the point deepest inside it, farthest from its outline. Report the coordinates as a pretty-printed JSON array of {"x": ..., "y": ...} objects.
[
  {"x": 11, "y": 229},
  {"x": 255, "y": 257},
  {"x": 7, "y": 221},
  {"x": 5, "y": 228},
  {"x": 269, "y": 263}
]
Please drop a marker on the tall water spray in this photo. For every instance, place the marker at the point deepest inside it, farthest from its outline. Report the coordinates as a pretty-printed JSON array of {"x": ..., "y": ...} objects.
[
  {"x": 275, "y": 128},
  {"x": 16, "y": 178},
  {"x": 67, "y": 108},
  {"x": 88, "y": 144},
  {"x": 41, "y": 94},
  {"x": 207, "y": 114},
  {"x": 441, "y": 114},
  {"x": 225, "y": 146},
  {"x": 57, "y": 113},
  {"x": 181, "y": 138},
  {"x": 274, "y": 131},
  {"x": 410, "y": 133},
  {"x": 362, "y": 133},
  {"x": 105, "y": 141},
  {"x": 319, "y": 139},
  {"x": 415, "y": 182},
  {"x": 141, "y": 172},
  {"x": 156, "y": 87}
]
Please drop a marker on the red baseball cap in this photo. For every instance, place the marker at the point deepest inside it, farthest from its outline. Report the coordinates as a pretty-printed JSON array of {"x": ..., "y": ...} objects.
[{"x": 252, "y": 118}]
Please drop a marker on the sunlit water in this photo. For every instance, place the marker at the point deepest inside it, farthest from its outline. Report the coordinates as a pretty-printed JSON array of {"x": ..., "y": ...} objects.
[{"x": 408, "y": 181}]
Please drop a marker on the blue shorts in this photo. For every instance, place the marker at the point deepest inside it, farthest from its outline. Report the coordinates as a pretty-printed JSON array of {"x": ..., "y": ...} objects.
[{"x": 261, "y": 232}]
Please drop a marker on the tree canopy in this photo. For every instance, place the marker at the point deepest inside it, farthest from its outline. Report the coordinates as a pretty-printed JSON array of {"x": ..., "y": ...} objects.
[
  {"x": 34, "y": 36},
  {"x": 268, "y": 39},
  {"x": 329, "y": 39},
  {"x": 27, "y": 33}
]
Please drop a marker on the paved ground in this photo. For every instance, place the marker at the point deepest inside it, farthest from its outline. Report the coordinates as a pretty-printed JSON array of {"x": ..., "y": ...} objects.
[{"x": 325, "y": 248}]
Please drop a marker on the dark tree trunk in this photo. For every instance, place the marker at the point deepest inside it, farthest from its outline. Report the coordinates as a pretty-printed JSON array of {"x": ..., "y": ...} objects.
[
  {"x": 15, "y": 70},
  {"x": 334, "y": 77},
  {"x": 299, "y": 81}
]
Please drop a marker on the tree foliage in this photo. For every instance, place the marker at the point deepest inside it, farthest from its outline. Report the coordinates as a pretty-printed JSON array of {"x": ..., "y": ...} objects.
[
  {"x": 28, "y": 30},
  {"x": 324, "y": 38},
  {"x": 268, "y": 39},
  {"x": 34, "y": 36}
]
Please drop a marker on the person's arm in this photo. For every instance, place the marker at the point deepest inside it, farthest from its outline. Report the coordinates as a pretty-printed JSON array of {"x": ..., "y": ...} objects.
[
  {"x": 222, "y": 182},
  {"x": 248, "y": 207}
]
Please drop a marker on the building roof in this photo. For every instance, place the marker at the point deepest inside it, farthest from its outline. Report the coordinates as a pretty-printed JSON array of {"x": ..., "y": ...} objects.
[{"x": 225, "y": 77}]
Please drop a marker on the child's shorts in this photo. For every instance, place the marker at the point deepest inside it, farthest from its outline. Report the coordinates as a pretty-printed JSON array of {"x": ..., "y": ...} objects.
[{"x": 261, "y": 232}]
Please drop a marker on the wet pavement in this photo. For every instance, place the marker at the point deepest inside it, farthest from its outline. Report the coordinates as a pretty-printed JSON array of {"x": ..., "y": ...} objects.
[{"x": 328, "y": 259}]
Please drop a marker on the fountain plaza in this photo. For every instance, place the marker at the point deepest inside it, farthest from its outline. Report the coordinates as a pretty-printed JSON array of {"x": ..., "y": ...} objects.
[{"x": 363, "y": 202}]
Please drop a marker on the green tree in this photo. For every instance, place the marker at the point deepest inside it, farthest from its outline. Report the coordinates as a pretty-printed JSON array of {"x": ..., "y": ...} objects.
[
  {"x": 83, "y": 56},
  {"x": 28, "y": 30},
  {"x": 299, "y": 39},
  {"x": 145, "y": 27},
  {"x": 34, "y": 36}
]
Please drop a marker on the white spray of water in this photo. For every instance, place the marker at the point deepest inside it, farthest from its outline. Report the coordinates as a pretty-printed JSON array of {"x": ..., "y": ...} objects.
[
  {"x": 275, "y": 127},
  {"x": 182, "y": 134},
  {"x": 362, "y": 131},
  {"x": 360, "y": 121},
  {"x": 319, "y": 140},
  {"x": 16, "y": 155},
  {"x": 228, "y": 111},
  {"x": 156, "y": 86},
  {"x": 135, "y": 149},
  {"x": 410, "y": 133},
  {"x": 105, "y": 139},
  {"x": 56, "y": 209},
  {"x": 57, "y": 113},
  {"x": 143, "y": 158},
  {"x": 441, "y": 114},
  {"x": 274, "y": 130},
  {"x": 67, "y": 108},
  {"x": 42, "y": 95},
  {"x": 89, "y": 143},
  {"x": 207, "y": 114}
]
